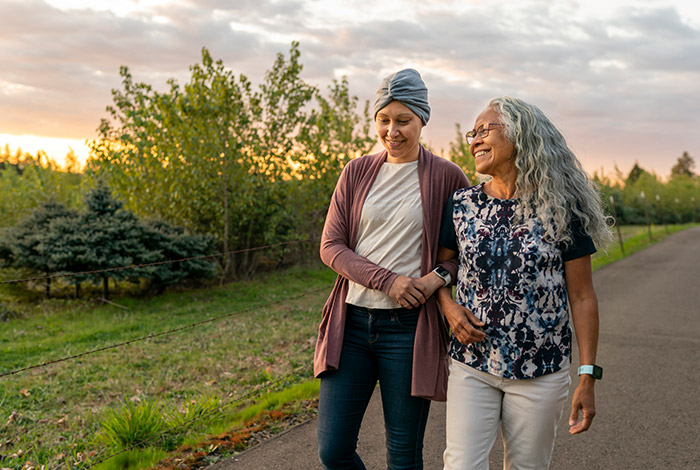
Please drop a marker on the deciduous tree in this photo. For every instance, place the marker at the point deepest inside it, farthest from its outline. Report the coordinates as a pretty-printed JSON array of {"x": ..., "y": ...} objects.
[
  {"x": 218, "y": 157},
  {"x": 684, "y": 166},
  {"x": 459, "y": 153}
]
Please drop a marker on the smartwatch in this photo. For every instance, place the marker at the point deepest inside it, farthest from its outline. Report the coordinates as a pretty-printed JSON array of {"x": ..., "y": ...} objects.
[
  {"x": 444, "y": 274},
  {"x": 594, "y": 370}
]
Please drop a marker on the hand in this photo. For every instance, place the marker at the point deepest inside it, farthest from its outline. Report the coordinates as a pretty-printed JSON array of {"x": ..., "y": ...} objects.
[
  {"x": 409, "y": 292},
  {"x": 583, "y": 401},
  {"x": 463, "y": 322},
  {"x": 430, "y": 283}
]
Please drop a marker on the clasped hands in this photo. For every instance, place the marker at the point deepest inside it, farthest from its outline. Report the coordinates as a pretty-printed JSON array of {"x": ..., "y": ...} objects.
[{"x": 411, "y": 292}]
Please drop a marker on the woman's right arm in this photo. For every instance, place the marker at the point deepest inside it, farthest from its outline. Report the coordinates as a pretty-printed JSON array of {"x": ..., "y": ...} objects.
[{"x": 462, "y": 321}]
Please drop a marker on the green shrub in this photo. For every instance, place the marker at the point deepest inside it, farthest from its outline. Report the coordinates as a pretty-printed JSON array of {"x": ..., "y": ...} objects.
[
  {"x": 206, "y": 409},
  {"x": 135, "y": 459},
  {"x": 7, "y": 313},
  {"x": 193, "y": 413},
  {"x": 132, "y": 425}
]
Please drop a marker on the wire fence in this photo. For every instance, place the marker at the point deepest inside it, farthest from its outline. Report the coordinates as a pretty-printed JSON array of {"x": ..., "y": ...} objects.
[
  {"x": 145, "y": 265},
  {"x": 162, "y": 333},
  {"x": 236, "y": 400}
]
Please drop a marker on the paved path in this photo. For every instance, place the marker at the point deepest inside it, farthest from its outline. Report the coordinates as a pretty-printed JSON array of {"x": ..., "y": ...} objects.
[{"x": 648, "y": 402}]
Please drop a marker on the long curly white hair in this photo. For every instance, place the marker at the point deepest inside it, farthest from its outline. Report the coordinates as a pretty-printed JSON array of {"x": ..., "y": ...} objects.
[{"x": 551, "y": 182}]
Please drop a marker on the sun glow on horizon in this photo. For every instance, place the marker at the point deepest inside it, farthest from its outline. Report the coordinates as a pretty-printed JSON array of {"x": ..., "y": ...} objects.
[{"x": 56, "y": 148}]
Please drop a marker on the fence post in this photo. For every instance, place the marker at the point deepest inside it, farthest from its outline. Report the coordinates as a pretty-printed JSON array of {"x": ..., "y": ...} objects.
[
  {"x": 663, "y": 213},
  {"x": 617, "y": 225},
  {"x": 646, "y": 214}
]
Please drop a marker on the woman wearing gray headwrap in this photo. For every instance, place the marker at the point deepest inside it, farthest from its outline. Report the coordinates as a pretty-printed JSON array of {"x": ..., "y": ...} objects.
[{"x": 381, "y": 322}]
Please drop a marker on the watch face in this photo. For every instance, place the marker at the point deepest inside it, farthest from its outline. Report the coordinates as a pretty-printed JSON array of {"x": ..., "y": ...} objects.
[
  {"x": 597, "y": 372},
  {"x": 442, "y": 272}
]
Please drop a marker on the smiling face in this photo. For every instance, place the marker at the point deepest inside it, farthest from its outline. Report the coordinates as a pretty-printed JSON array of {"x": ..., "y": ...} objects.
[
  {"x": 399, "y": 131},
  {"x": 493, "y": 154}
]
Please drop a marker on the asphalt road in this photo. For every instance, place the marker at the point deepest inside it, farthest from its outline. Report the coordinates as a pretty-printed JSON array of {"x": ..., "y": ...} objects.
[{"x": 648, "y": 408}]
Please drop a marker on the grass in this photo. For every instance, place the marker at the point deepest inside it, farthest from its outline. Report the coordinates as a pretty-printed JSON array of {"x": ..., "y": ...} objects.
[
  {"x": 634, "y": 238},
  {"x": 234, "y": 431},
  {"x": 52, "y": 415},
  {"x": 139, "y": 458},
  {"x": 55, "y": 416},
  {"x": 132, "y": 425}
]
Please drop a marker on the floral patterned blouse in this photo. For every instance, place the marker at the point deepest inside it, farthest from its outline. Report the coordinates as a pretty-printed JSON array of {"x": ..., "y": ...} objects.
[{"x": 513, "y": 280}]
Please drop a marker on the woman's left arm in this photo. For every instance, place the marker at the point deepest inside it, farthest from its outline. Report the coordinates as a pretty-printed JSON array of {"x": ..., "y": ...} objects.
[
  {"x": 453, "y": 178},
  {"x": 584, "y": 310}
]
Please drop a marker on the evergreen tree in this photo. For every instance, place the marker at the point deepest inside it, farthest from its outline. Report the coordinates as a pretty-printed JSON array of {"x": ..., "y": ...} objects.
[
  {"x": 112, "y": 238},
  {"x": 105, "y": 236},
  {"x": 68, "y": 248},
  {"x": 30, "y": 244},
  {"x": 173, "y": 243},
  {"x": 5, "y": 247}
]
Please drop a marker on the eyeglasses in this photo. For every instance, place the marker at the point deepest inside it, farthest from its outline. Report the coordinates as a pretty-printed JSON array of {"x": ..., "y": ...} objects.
[{"x": 480, "y": 132}]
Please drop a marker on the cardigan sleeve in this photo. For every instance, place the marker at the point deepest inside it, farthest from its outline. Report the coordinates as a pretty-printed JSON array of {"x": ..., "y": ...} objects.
[
  {"x": 455, "y": 180},
  {"x": 337, "y": 237}
]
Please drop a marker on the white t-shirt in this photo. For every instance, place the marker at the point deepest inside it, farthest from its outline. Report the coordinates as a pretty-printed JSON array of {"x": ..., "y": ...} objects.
[{"x": 390, "y": 230}]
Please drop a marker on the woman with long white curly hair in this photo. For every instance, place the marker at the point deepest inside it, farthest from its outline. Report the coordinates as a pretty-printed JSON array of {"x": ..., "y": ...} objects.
[{"x": 524, "y": 241}]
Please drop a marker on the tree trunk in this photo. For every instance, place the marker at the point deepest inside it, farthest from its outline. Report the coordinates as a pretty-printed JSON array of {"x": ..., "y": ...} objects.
[
  {"x": 249, "y": 257},
  {"x": 105, "y": 286},
  {"x": 227, "y": 255},
  {"x": 48, "y": 286}
]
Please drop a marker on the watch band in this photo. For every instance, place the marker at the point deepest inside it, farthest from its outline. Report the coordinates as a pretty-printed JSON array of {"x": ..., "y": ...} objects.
[
  {"x": 443, "y": 274},
  {"x": 594, "y": 370}
]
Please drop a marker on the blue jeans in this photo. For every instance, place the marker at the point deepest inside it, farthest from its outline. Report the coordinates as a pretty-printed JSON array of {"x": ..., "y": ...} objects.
[{"x": 377, "y": 346}]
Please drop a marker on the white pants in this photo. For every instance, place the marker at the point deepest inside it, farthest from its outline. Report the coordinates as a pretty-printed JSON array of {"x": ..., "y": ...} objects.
[{"x": 527, "y": 412}]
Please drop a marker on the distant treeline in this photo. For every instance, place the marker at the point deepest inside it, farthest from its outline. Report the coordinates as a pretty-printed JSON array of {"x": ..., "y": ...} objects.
[
  {"x": 27, "y": 180},
  {"x": 253, "y": 166},
  {"x": 642, "y": 197}
]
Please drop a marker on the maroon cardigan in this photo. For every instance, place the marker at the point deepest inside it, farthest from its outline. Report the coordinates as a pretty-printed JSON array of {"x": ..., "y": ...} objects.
[{"x": 438, "y": 178}]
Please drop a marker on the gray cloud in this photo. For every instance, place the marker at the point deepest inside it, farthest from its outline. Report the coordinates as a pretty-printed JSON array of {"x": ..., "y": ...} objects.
[{"x": 613, "y": 86}]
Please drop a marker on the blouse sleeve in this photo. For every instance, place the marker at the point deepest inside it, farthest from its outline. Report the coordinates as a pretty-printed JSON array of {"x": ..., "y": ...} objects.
[
  {"x": 581, "y": 243},
  {"x": 448, "y": 237}
]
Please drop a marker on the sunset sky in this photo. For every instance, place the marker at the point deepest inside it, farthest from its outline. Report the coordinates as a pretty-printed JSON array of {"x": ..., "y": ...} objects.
[{"x": 621, "y": 79}]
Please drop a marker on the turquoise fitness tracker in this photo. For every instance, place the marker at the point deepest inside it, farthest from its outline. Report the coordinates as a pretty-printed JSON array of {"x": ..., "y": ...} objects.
[{"x": 594, "y": 370}]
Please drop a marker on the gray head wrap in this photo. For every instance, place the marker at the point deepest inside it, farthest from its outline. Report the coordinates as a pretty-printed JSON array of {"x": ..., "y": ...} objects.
[{"x": 407, "y": 87}]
